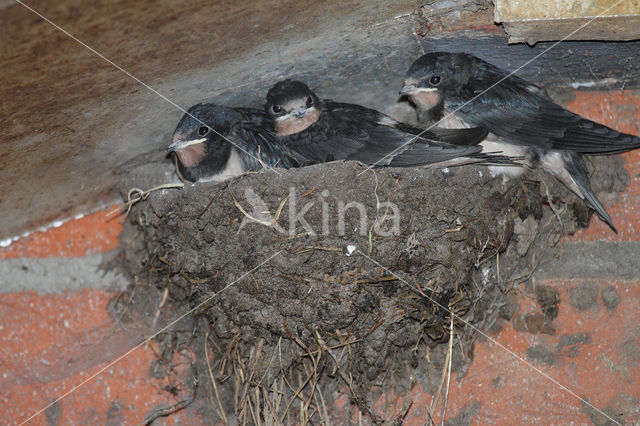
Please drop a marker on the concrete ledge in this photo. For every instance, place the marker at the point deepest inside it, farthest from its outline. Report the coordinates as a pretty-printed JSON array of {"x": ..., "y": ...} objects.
[
  {"x": 599, "y": 260},
  {"x": 56, "y": 275}
]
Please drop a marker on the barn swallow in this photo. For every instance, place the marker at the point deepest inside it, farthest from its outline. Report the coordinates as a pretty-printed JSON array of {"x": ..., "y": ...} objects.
[
  {"x": 215, "y": 143},
  {"x": 458, "y": 89},
  {"x": 317, "y": 131}
]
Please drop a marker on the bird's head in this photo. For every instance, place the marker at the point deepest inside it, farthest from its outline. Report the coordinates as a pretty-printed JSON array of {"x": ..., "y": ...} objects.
[
  {"x": 434, "y": 77},
  {"x": 201, "y": 137},
  {"x": 293, "y": 106},
  {"x": 202, "y": 130}
]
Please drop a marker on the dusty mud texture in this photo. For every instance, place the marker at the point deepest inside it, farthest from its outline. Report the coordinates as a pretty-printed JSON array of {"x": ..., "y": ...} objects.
[{"x": 293, "y": 298}]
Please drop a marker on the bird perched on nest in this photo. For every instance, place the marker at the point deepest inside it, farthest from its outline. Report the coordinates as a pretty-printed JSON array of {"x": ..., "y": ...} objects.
[
  {"x": 317, "y": 131},
  {"x": 466, "y": 91},
  {"x": 215, "y": 143}
]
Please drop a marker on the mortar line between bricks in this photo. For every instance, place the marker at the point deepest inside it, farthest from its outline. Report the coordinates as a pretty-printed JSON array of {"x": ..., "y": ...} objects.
[
  {"x": 491, "y": 339},
  {"x": 139, "y": 345},
  {"x": 101, "y": 56}
]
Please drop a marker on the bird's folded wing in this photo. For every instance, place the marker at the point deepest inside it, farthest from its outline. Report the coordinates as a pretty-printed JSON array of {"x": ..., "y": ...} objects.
[
  {"x": 261, "y": 146},
  {"x": 515, "y": 110}
]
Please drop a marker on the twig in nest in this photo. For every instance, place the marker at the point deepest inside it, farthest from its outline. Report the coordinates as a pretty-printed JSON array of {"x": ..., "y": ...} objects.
[
  {"x": 322, "y": 347},
  {"x": 323, "y": 413},
  {"x": 261, "y": 222},
  {"x": 163, "y": 412},
  {"x": 137, "y": 194},
  {"x": 351, "y": 340},
  {"x": 309, "y": 192},
  {"x": 554, "y": 209},
  {"x": 194, "y": 280},
  {"x": 125, "y": 309},
  {"x": 447, "y": 366},
  {"x": 303, "y": 383},
  {"x": 456, "y": 229},
  {"x": 284, "y": 376},
  {"x": 213, "y": 381},
  {"x": 450, "y": 358},
  {"x": 163, "y": 300},
  {"x": 228, "y": 357},
  {"x": 398, "y": 419},
  {"x": 320, "y": 248},
  {"x": 378, "y": 280},
  {"x": 273, "y": 354},
  {"x": 251, "y": 369},
  {"x": 528, "y": 275}
]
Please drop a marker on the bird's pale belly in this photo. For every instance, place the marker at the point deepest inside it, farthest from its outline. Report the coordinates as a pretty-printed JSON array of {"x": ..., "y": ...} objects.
[
  {"x": 233, "y": 168},
  {"x": 492, "y": 144}
]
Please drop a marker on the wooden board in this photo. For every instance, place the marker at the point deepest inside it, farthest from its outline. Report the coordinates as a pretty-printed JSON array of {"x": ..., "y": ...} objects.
[{"x": 575, "y": 64}]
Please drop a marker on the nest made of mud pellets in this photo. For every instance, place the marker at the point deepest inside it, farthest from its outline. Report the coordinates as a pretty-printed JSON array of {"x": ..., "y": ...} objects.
[{"x": 291, "y": 280}]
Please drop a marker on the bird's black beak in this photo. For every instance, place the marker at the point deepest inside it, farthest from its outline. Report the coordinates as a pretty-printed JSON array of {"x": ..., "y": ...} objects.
[
  {"x": 408, "y": 89},
  {"x": 177, "y": 145},
  {"x": 299, "y": 112},
  {"x": 174, "y": 145}
]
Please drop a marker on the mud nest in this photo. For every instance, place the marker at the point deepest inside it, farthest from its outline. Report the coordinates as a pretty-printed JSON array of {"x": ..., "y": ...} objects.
[{"x": 352, "y": 295}]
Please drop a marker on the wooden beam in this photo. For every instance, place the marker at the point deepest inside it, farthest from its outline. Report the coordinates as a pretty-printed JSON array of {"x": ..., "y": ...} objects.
[
  {"x": 546, "y": 20},
  {"x": 575, "y": 64}
]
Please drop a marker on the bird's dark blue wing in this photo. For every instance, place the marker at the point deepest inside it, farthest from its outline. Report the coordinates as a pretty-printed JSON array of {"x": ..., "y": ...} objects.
[
  {"x": 466, "y": 137},
  {"x": 260, "y": 146},
  {"x": 518, "y": 112},
  {"x": 353, "y": 132}
]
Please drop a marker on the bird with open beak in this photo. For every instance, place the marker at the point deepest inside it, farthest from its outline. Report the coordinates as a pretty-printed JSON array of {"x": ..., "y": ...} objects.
[
  {"x": 461, "y": 90},
  {"x": 215, "y": 143},
  {"x": 317, "y": 131}
]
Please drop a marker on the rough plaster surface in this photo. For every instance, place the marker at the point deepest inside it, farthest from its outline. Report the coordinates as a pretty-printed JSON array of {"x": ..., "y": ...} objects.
[{"x": 69, "y": 117}]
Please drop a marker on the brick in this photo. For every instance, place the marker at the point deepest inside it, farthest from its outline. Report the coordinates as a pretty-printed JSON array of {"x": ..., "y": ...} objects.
[
  {"x": 51, "y": 343},
  {"x": 594, "y": 352},
  {"x": 94, "y": 233},
  {"x": 621, "y": 111}
]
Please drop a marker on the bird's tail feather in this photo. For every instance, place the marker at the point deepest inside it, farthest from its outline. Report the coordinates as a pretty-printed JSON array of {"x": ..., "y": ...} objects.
[{"x": 577, "y": 169}]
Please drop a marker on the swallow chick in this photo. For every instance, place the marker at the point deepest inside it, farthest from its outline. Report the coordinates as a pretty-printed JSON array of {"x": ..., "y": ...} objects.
[
  {"x": 215, "y": 143},
  {"x": 315, "y": 131},
  {"x": 461, "y": 90}
]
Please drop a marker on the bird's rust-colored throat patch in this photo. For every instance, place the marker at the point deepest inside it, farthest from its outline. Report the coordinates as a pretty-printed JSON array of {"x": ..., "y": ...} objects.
[
  {"x": 191, "y": 155},
  {"x": 292, "y": 125},
  {"x": 426, "y": 100}
]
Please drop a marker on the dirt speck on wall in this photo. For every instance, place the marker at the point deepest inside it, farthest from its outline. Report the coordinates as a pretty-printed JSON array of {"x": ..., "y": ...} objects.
[{"x": 338, "y": 278}]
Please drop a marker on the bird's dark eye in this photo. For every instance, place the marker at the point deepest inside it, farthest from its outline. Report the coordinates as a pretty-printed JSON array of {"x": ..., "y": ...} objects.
[
  {"x": 277, "y": 109},
  {"x": 309, "y": 101},
  {"x": 434, "y": 80},
  {"x": 203, "y": 130}
]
